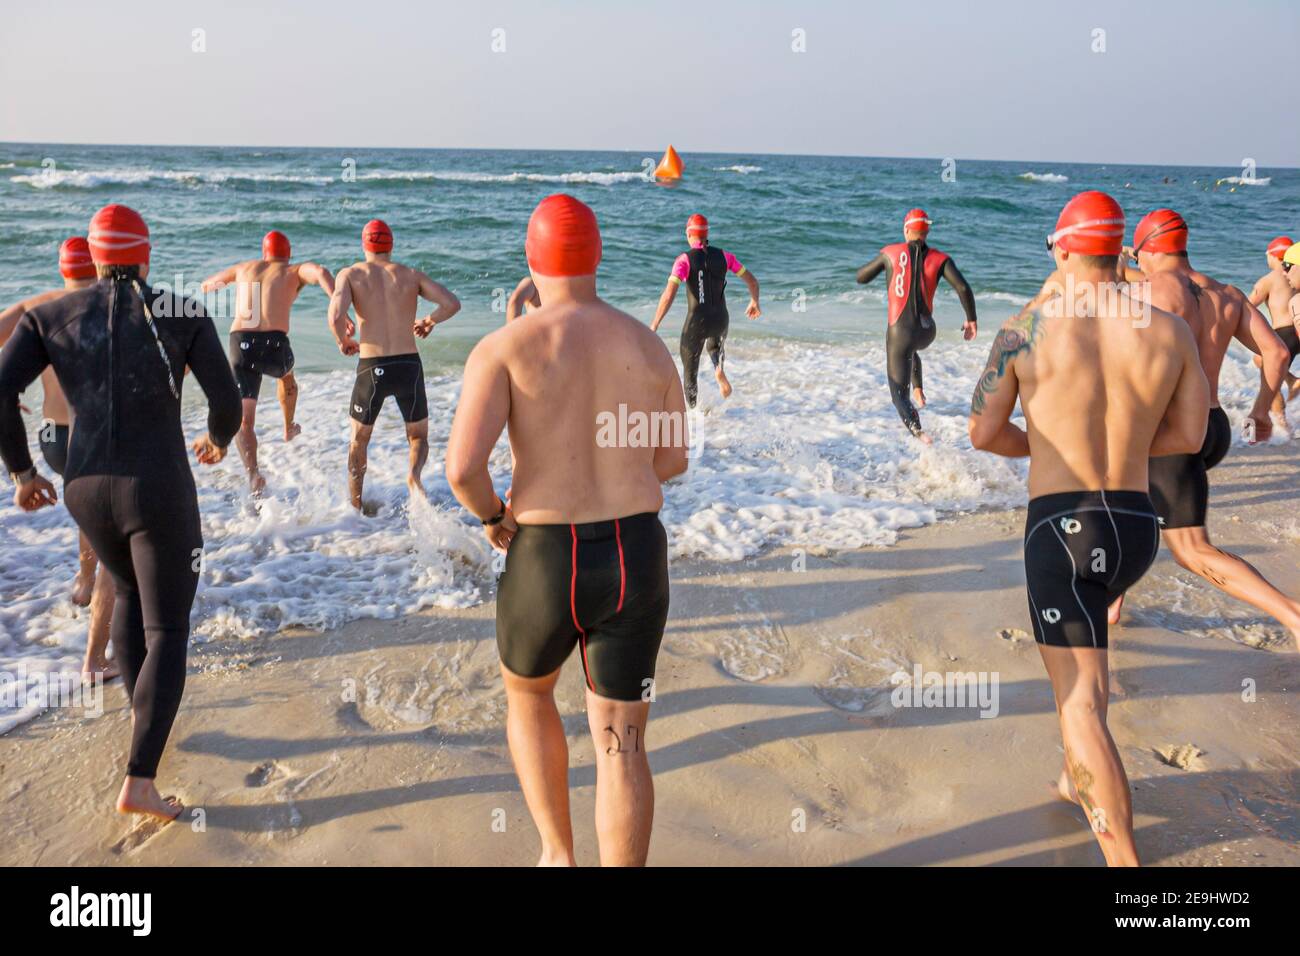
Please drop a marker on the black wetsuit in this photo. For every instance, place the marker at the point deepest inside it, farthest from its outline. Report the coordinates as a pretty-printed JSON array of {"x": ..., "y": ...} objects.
[
  {"x": 128, "y": 483},
  {"x": 601, "y": 585},
  {"x": 401, "y": 376},
  {"x": 1083, "y": 549},
  {"x": 254, "y": 354},
  {"x": 54, "y": 446},
  {"x": 706, "y": 314},
  {"x": 912, "y": 328},
  {"x": 1180, "y": 484}
]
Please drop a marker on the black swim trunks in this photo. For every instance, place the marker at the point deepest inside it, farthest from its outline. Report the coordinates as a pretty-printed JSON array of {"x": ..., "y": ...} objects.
[
  {"x": 1180, "y": 484},
  {"x": 401, "y": 376},
  {"x": 1083, "y": 549},
  {"x": 1290, "y": 338},
  {"x": 54, "y": 445},
  {"x": 254, "y": 354},
  {"x": 602, "y": 586}
]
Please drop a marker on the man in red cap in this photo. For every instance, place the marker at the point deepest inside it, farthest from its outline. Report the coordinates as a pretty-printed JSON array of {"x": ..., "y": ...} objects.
[
  {"x": 913, "y": 269},
  {"x": 596, "y": 419},
  {"x": 386, "y": 295},
  {"x": 121, "y": 348},
  {"x": 265, "y": 290},
  {"x": 703, "y": 269},
  {"x": 1091, "y": 530},
  {"x": 1274, "y": 293},
  {"x": 1216, "y": 313},
  {"x": 88, "y": 588}
]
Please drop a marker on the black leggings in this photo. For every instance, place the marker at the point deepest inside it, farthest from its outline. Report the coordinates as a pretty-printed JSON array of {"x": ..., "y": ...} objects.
[
  {"x": 701, "y": 333},
  {"x": 903, "y": 344},
  {"x": 146, "y": 532}
]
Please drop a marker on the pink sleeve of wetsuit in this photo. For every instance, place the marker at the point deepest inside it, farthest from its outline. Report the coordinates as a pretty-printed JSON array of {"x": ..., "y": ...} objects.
[
  {"x": 681, "y": 268},
  {"x": 733, "y": 264}
]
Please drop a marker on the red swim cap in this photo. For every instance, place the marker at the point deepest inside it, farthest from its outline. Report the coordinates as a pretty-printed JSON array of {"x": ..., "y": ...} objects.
[
  {"x": 275, "y": 245},
  {"x": 118, "y": 237},
  {"x": 1278, "y": 247},
  {"x": 917, "y": 220},
  {"x": 563, "y": 238},
  {"x": 75, "y": 261},
  {"x": 697, "y": 225},
  {"x": 377, "y": 237},
  {"x": 1091, "y": 224},
  {"x": 1160, "y": 231}
]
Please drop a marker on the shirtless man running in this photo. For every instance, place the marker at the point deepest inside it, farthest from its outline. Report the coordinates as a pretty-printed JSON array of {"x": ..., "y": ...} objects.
[
  {"x": 386, "y": 295},
  {"x": 587, "y": 559},
  {"x": 259, "y": 335},
  {"x": 1104, "y": 383},
  {"x": 88, "y": 588},
  {"x": 1274, "y": 293},
  {"x": 1216, "y": 313}
]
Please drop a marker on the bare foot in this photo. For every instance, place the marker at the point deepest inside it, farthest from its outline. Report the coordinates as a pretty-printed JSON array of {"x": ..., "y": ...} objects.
[
  {"x": 83, "y": 586},
  {"x": 918, "y": 398},
  {"x": 256, "y": 484},
  {"x": 292, "y": 431},
  {"x": 723, "y": 385},
  {"x": 924, "y": 438},
  {"x": 557, "y": 859},
  {"x": 1115, "y": 610},
  {"x": 105, "y": 669},
  {"x": 1064, "y": 789},
  {"x": 139, "y": 795}
]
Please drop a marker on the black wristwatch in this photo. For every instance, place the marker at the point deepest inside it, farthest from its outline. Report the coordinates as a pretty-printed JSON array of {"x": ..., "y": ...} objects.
[
  {"x": 22, "y": 477},
  {"x": 496, "y": 518}
]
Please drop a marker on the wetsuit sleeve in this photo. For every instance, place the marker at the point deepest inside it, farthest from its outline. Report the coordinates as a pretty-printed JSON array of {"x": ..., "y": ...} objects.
[
  {"x": 207, "y": 360},
  {"x": 873, "y": 268},
  {"x": 733, "y": 264},
  {"x": 21, "y": 361},
  {"x": 962, "y": 288},
  {"x": 681, "y": 269}
]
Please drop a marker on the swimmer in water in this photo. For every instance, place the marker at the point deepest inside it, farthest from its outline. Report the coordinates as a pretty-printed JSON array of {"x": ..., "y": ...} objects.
[
  {"x": 259, "y": 335},
  {"x": 1179, "y": 484},
  {"x": 88, "y": 587},
  {"x": 586, "y": 555},
  {"x": 1091, "y": 529},
  {"x": 120, "y": 348},
  {"x": 387, "y": 296},
  {"x": 1274, "y": 293},
  {"x": 703, "y": 269},
  {"x": 524, "y": 298},
  {"x": 913, "y": 269}
]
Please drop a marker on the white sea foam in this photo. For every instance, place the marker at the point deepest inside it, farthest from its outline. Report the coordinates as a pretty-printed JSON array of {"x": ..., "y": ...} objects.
[
  {"x": 1045, "y": 177},
  {"x": 739, "y": 168},
  {"x": 597, "y": 178},
  {"x": 808, "y": 453},
  {"x": 1246, "y": 181},
  {"x": 54, "y": 178}
]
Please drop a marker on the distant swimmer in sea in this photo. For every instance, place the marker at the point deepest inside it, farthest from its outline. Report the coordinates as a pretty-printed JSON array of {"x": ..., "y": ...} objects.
[
  {"x": 586, "y": 556},
  {"x": 703, "y": 270},
  {"x": 1091, "y": 530},
  {"x": 913, "y": 269},
  {"x": 1180, "y": 490},
  {"x": 88, "y": 588},
  {"x": 524, "y": 298},
  {"x": 265, "y": 290},
  {"x": 387, "y": 296},
  {"x": 120, "y": 348},
  {"x": 1274, "y": 293}
]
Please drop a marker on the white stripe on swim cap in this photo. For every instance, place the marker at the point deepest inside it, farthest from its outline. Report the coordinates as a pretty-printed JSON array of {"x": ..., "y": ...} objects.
[
  {"x": 1085, "y": 228},
  {"x": 916, "y": 219},
  {"x": 105, "y": 238}
]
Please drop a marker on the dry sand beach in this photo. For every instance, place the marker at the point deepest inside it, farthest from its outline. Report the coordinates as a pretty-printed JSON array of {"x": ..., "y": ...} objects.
[{"x": 774, "y": 739}]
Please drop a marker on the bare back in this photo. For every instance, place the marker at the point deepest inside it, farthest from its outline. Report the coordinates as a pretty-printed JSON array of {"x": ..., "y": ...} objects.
[
  {"x": 1212, "y": 310},
  {"x": 1094, "y": 391},
  {"x": 1274, "y": 293},
  {"x": 386, "y": 296},
  {"x": 265, "y": 291},
  {"x": 571, "y": 366}
]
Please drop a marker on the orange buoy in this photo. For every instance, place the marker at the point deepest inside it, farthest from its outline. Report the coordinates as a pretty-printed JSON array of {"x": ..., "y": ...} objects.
[{"x": 670, "y": 167}]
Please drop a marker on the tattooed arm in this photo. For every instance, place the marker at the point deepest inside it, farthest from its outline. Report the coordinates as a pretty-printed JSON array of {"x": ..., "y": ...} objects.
[{"x": 997, "y": 390}]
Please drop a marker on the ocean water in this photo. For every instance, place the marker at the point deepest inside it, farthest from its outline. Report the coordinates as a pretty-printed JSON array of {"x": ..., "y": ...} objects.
[{"x": 807, "y": 453}]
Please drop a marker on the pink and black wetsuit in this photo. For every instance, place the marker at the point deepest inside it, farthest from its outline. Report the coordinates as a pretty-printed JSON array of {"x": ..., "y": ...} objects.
[{"x": 703, "y": 270}]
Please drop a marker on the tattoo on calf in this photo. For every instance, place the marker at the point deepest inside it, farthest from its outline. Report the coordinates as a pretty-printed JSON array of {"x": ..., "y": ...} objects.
[{"x": 1018, "y": 335}]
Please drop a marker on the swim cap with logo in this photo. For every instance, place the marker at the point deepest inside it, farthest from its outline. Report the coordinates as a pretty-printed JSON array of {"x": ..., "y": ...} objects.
[
  {"x": 377, "y": 237},
  {"x": 1160, "y": 231},
  {"x": 916, "y": 220},
  {"x": 563, "y": 238},
  {"x": 697, "y": 225},
  {"x": 74, "y": 259},
  {"x": 1091, "y": 224},
  {"x": 275, "y": 245},
  {"x": 118, "y": 237},
  {"x": 1278, "y": 247}
]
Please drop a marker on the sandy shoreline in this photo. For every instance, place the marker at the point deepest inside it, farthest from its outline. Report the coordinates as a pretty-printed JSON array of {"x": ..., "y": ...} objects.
[{"x": 774, "y": 707}]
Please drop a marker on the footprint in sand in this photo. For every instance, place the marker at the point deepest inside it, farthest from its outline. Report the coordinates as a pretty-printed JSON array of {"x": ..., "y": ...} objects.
[
  {"x": 144, "y": 829},
  {"x": 264, "y": 773},
  {"x": 1182, "y": 756},
  {"x": 1014, "y": 635}
]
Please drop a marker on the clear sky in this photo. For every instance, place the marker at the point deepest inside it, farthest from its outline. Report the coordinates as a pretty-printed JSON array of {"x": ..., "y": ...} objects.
[{"x": 1186, "y": 82}]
